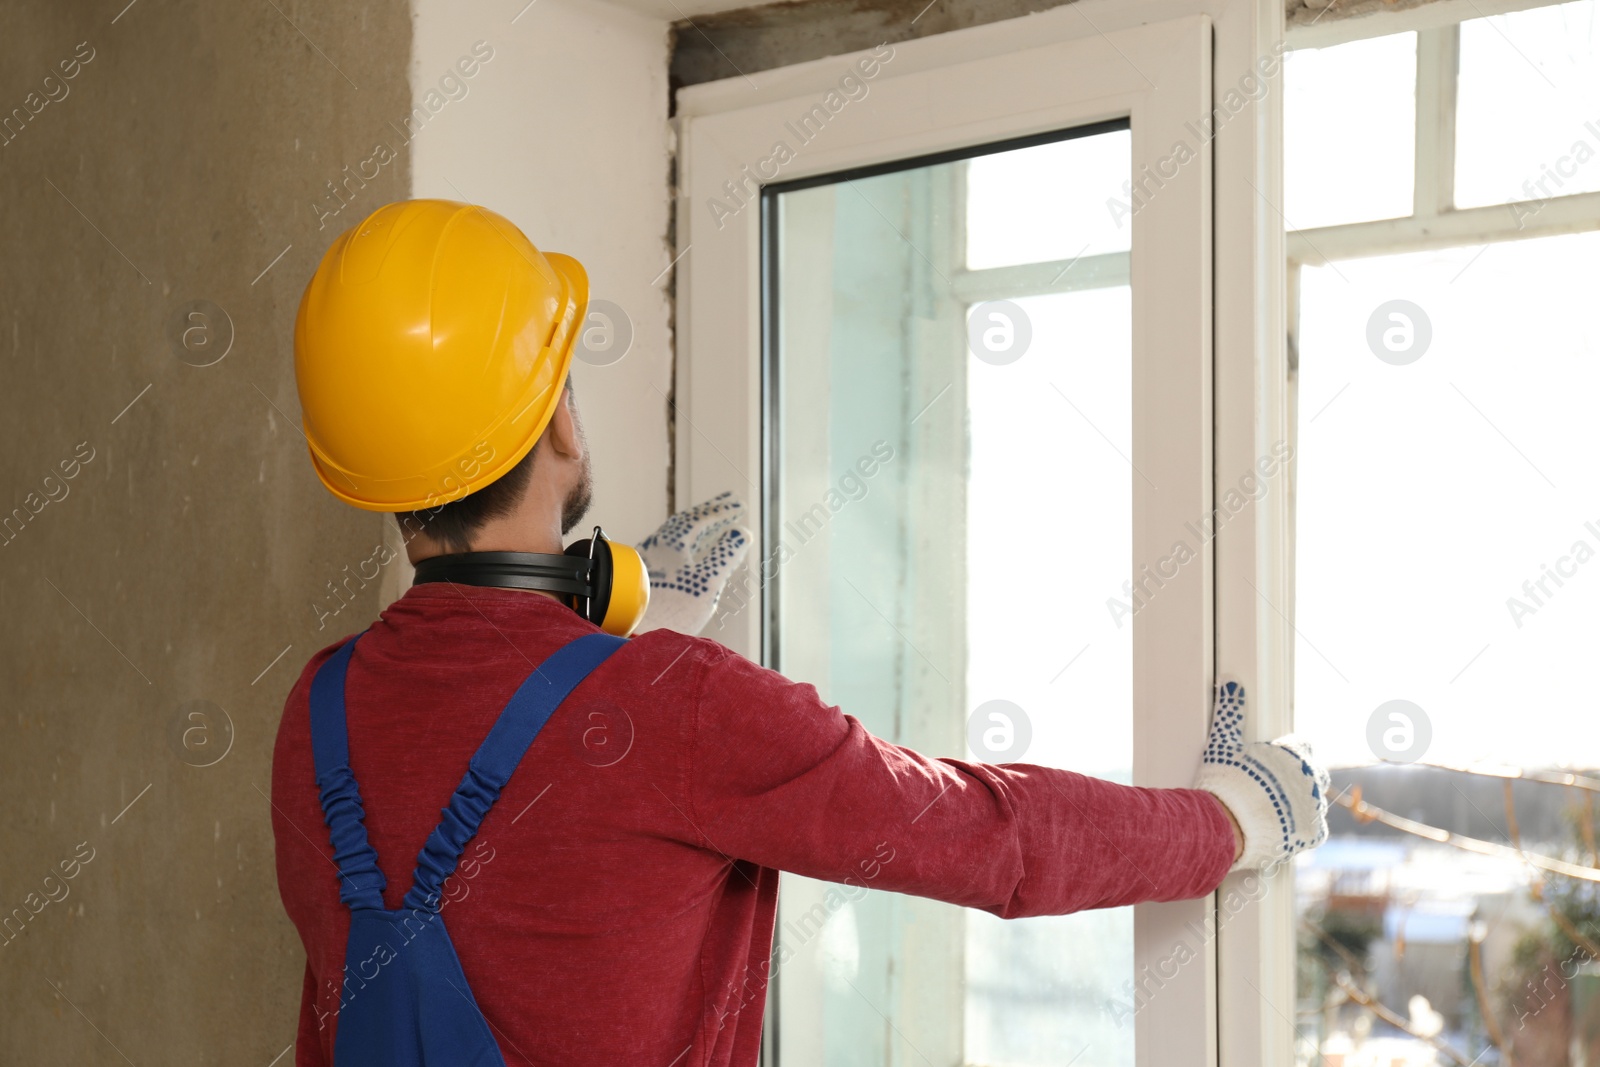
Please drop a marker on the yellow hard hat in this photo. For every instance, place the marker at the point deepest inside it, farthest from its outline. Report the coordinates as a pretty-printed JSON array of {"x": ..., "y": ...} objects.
[{"x": 430, "y": 350}]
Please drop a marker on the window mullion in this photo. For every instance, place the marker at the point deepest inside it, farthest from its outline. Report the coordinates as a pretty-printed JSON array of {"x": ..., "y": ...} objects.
[{"x": 1438, "y": 60}]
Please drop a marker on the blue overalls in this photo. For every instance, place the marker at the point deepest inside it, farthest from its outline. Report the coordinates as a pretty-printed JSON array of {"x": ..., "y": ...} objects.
[{"x": 404, "y": 1001}]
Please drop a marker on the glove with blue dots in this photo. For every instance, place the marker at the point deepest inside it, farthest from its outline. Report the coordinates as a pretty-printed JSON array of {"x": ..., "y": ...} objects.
[
  {"x": 689, "y": 561},
  {"x": 1276, "y": 790}
]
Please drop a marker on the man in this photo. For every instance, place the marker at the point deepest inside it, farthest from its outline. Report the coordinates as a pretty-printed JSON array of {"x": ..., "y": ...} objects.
[{"x": 607, "y": 895}]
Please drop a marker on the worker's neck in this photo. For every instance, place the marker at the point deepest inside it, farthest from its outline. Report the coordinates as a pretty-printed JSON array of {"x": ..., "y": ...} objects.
[
  {"x": 518, "y": 537},
  {"x": 493, "y": 537},
  {"x": 532, "y": 525}
]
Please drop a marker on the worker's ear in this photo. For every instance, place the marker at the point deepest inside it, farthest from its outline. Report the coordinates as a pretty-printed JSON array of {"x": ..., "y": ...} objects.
[{"x": 564, "y": 435}]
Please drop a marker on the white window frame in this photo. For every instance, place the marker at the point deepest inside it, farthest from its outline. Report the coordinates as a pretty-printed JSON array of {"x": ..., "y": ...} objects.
[
  {"x": 1237, "y": 1001},
  {"x": 1434, "y": 222}
]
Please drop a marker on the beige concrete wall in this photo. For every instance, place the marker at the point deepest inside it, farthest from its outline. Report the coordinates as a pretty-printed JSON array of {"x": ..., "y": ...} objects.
[{"x": 190, "y": 542}]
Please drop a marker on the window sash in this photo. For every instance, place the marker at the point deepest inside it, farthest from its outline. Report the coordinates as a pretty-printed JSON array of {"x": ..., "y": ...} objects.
[{"x": 1063, "y": 68}]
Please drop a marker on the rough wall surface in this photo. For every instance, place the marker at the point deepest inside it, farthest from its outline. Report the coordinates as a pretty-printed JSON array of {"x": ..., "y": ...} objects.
[
  {"x": 732, "y": 43},
  {"x": 171, "y": 540},
  {"x": 1310, "y": 12},
  {"x": 728, "y": 44}
]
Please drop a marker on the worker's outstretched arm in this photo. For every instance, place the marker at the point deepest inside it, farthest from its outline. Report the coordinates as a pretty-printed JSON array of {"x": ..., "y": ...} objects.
[{"x": 781, "y": 779}]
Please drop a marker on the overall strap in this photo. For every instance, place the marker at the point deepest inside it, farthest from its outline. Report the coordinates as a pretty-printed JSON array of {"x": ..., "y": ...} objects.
[
  {"x": 497, "y": 759},
  {"x": 361, "y": 881}
]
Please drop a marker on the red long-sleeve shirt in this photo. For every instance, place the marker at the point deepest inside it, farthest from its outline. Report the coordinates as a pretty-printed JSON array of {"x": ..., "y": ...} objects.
[{"x": 618, "y": 903}]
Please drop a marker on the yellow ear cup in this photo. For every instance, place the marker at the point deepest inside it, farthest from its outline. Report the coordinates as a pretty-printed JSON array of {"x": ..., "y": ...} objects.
[{"x": 630, "y": 591}]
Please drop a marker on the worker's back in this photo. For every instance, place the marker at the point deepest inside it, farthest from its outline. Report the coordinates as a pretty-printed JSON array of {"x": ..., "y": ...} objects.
[
  {"x": 582, "y": 909},
  {"x": 617, "y": 904}
]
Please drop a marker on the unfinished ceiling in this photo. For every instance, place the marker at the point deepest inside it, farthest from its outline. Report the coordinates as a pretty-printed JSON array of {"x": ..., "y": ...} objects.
[
  {"x": 679, "y": 10},
  {"x": 723, "y": 39},
  {"x": 740, "y": 42}
]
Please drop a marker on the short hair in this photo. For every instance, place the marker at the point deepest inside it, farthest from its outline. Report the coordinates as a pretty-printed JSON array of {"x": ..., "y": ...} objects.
[{"x": 454, "y": 524}]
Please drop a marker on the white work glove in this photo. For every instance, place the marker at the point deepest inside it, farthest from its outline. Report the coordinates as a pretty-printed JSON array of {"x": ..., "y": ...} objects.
[
  {"x": 1275, "y": 789},
  {"x": 689, "y": 561}
]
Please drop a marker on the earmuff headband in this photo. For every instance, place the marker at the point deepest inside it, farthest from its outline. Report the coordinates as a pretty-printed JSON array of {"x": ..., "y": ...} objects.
[
  {"x": 568, "y": 575},
  {"x": 606, "y": 584}
]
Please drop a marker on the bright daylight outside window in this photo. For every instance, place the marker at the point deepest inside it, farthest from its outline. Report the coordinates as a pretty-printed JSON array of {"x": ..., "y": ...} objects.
[
  {"x": 910, "y": 477},
  {"x": 1447, "y": 565}
]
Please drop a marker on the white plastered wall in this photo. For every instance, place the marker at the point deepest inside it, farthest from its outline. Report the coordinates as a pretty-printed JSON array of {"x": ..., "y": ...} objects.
[{"x": 564, "y": 131}]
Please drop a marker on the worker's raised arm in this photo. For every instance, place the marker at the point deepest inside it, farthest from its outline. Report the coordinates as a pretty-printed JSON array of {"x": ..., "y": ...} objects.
[{"x": 781, "y": 779}]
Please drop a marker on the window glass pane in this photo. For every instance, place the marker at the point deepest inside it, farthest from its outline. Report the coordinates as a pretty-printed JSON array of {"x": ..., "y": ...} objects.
[
  {"x": 1047, "y": 647},
  {"x": 1052, "y": 202},
  {"x": 1448, "y": 556},
  {"x": 909, "y": 598},
  {"x": 1528, "y": 109},
  {"x": 1350, "y": 131}
]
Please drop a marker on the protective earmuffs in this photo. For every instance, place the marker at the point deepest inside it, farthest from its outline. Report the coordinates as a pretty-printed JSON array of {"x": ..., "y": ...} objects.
[{"x": 602, "y": 581}]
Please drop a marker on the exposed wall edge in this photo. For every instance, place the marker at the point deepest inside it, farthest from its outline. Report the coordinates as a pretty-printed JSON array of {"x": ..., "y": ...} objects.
[{"x": 753, "y": 39}]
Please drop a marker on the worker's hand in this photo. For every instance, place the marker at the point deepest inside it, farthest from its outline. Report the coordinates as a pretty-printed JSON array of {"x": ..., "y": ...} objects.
[
  {"x": 1275, "y": 790},
  {"x": 689, "y": 561}
]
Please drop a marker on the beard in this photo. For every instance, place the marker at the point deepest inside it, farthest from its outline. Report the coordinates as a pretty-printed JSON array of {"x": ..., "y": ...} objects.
[{"x": 579, "y": 497}]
